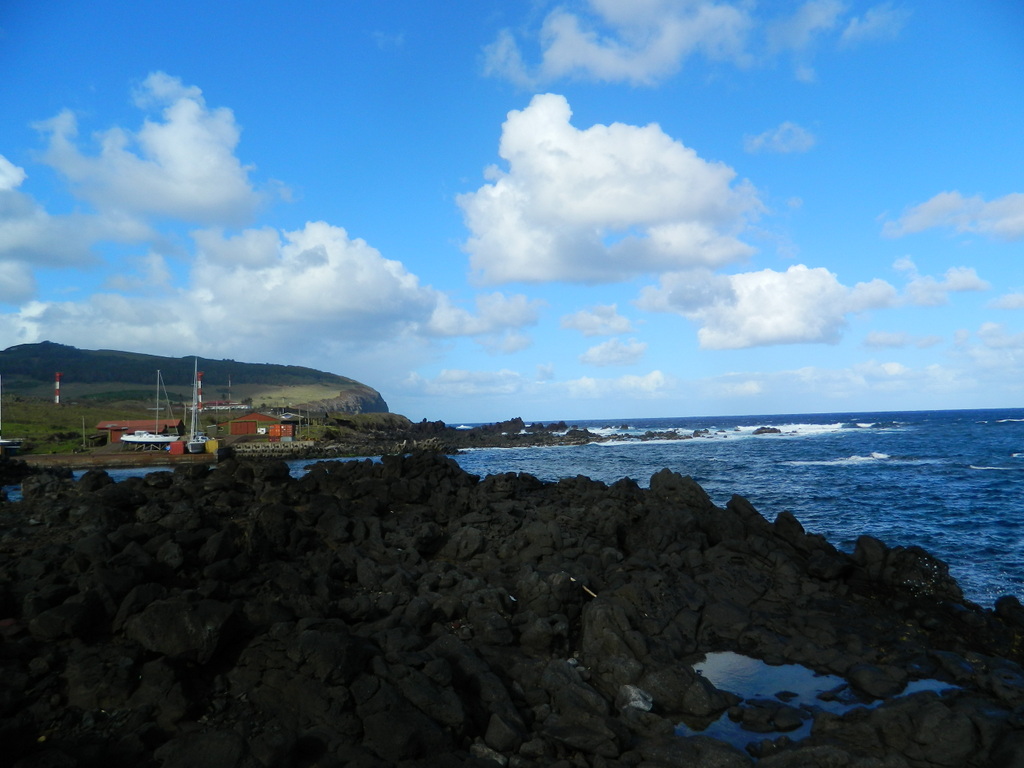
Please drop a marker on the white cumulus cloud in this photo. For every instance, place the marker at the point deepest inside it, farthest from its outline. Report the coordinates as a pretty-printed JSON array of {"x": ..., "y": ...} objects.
[
  {"x": 800, "y": 305},
  {"x": 181, "y": 164},
  {"x": 600, "y": 204}
]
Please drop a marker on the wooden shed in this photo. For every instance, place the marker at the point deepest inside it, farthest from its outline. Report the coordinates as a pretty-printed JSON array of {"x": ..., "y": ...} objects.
[{"x": 249, "y": 424}]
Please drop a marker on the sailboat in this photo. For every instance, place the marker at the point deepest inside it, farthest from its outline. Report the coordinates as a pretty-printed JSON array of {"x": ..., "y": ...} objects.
[
  {"x": 144, "y": 439},
  {"x": 7, "y": 447},
  {"x": 196, "y": 439}
]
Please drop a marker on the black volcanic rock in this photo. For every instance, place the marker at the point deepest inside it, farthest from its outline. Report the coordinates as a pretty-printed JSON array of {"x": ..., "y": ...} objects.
[{"x": 408, "y": 613}]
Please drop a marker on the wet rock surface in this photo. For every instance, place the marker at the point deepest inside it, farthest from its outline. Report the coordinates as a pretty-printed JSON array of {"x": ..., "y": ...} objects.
[{"x": 407, "y": 613}]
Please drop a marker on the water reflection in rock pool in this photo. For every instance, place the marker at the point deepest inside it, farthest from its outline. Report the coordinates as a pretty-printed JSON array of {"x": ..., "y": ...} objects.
[{"x": 778, "y": 699}]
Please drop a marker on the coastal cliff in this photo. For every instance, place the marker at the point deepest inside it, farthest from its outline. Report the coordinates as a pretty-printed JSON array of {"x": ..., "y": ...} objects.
[{"x": 408, "y": 613}]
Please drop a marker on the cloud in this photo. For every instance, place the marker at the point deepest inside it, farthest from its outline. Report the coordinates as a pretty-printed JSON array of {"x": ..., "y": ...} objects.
[
  {"x": 31, "y": 236},
  {"x": 800, "y": 30},
  {"x": 653, "y": 384},
  {"x": 995, "y": 336},
  {"x": 455, "y": 383},
  {"x": 1001, "y": 219},
  {"x": 505, "y": 343},
  {"x": 788, "y": 137},
  {"x": 152, "y": 276},
  {"x": 643, "y": 42},
  {"x": 887, "y": 339},
  {"x": 881, "y": 22},
  {"x": 899, "y": 339},
  {"x": 495, "y": 312},
  {"x": 180, "y": 165},
  {"x": 318, "y": 276},
  {"x": 996, "y": 352},
  {"x": 309, "y": 291},
  {"x": 461, "y": 383},
  {"x": 798, "y": 33},
  {"x": 251, "y": 248},
  {"x": 17, "y": 283},
  {"x": 11, "y": 176},
  {"x": 502, "y": 58},
  {"x": 600, "y": 204},
  {"x": 601, "y": 320},
  {"x": 614, "y": 352},
  {"x": 1008, "y": 301},
  {"x": 926, "y": 291},
  {"x": 861, "y": 382},
  {"x": 639, "y": 42},
  {"x": 388, "y": 41},
  {"x": 798, "y": 306},
  {"x": 745, "y": 388}
]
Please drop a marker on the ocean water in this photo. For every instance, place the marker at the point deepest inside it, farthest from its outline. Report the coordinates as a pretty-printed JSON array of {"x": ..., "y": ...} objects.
[{"x": 949, "y": 481}]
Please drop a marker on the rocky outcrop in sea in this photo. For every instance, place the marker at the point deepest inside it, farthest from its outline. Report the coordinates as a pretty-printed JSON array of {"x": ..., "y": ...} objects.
[
  {"x": 356, "y": 436},
  {"x": 408, "y": 613}
]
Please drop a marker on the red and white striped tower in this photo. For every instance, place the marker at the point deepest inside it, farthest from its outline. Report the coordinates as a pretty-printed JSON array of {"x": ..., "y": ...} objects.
[
  {"x": 56, "y": 389},
  {"x": 199, "y": 390}
]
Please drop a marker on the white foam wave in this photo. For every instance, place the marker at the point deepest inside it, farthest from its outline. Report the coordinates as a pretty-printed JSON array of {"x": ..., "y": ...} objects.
[
  {"x": 991, "y": 469},
  {"x": 847, "y": 461}
]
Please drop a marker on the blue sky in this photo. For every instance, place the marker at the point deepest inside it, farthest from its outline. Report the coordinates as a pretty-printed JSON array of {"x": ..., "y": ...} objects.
[{"x": 487, "y": 209}]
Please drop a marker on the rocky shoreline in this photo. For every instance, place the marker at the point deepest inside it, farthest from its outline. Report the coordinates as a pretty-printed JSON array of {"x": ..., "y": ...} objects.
[
  {"x": 408, "y": 613},
  {"x": 353, "y": 436}
]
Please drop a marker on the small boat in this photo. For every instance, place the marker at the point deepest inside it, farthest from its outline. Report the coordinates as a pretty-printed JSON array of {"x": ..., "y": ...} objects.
[
  {"x": 156, "y": 439},
  {"x": 196, "y": 439},
  {"x": 144, "y": 438}
]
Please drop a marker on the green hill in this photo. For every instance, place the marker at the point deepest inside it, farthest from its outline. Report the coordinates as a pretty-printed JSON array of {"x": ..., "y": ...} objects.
[{"x": 109, "y": 376}]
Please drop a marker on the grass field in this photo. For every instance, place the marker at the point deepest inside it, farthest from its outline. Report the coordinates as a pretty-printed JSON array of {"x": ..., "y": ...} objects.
[{"x": 48, "y": 428}]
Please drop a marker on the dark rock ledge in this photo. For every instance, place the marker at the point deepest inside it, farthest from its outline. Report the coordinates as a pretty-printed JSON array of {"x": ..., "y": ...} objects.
[{"x": 407, "y": 613}]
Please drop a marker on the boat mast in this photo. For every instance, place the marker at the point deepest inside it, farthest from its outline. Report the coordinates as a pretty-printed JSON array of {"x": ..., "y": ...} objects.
[
  {"x": 195, "y": 401},
  {"x": 156, "y": 412}
]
